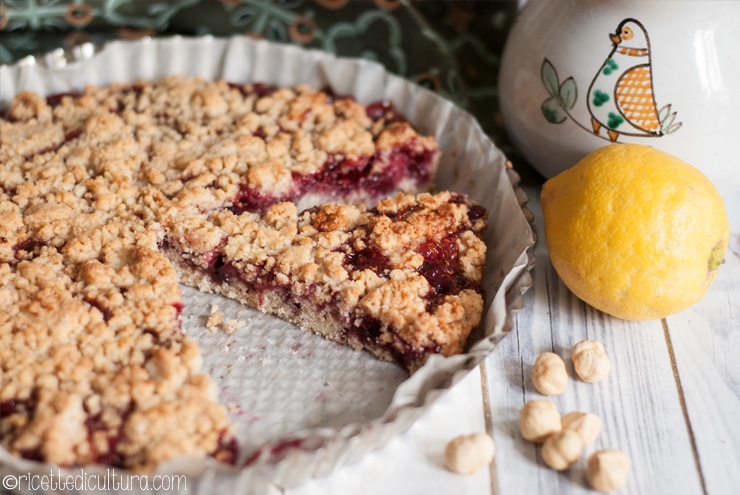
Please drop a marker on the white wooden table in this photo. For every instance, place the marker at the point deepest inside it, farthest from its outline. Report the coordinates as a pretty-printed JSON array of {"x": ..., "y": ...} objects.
[{"x": 672, "y": 400}]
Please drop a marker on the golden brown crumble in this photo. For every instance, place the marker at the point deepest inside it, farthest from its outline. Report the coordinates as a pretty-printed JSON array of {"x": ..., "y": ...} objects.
[
  {"x": 232, "y": 326},
  {"x": 94, "y": 365},
  {"x": 309, "y": 254},
  {"x": 215, "y": 319}
]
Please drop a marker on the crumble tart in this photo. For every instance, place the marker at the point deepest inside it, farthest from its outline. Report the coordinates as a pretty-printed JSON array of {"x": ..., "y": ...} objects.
[
  {"x": 110, "y": 195},
  {"x": 401, "y": 280}
]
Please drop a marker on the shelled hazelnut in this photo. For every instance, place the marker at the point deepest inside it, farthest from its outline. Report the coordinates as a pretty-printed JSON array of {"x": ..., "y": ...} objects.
[
  {"x": 590, "y": 361},
  {"x": 608, "y": 469},
  {"x": 587, "y": 425},
  {"x": 539, "y": 419},
  {"x": 468, "y": 453},
  {"x": 562, "y": 449},
  {"x": 548, "y": 374}
]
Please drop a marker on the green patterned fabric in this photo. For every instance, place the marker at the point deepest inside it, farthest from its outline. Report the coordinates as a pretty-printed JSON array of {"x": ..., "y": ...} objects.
[{"x": 452, "y": 48}]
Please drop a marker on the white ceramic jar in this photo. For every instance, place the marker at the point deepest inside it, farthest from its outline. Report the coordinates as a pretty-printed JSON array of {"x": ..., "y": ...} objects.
[{"x": 580, "y": 74}]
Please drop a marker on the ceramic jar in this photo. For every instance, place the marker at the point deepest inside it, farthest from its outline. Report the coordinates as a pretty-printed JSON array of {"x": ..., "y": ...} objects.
[{"x": 580, "y": 74}]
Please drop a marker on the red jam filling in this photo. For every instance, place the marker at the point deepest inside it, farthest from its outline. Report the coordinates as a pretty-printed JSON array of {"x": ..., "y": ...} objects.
[
  {"x": 100, "y": 306},
  {"x": 476, "y": 212},
  {"x": 56, "y": 99},
  {"x": 341, "y": 177},
  {"x": 384, "y": 110},
  {"x": 227, "y": 450},
  {"x": 277, "y": 452},
  {"x": 367, "y": 330},
  {"x": 441, "y": 269},
  {"x": 13, "y": 406},
  {"x": 368, "y": 258},
  {"x": 28, "y": 249},
  {"x": 259, "y": 89},
  {"x": 253, "y": 201},
  {"x": 109, "y": 457}
]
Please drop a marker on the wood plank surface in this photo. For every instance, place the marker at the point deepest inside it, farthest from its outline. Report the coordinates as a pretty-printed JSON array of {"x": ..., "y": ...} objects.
[
  {"x": 706, "y": 345},
  {"x": 638, "y": 403}
]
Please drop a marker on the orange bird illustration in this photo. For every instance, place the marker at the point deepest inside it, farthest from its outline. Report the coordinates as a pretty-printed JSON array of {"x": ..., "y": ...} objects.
[{"x": 621, "y": 97}]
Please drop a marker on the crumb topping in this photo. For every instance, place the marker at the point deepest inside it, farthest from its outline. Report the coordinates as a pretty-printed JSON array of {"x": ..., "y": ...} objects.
[
  {"x": 94, "y": 367},
  {"x": 368, "y": 261},
  {"x": 215, "y": 319}
]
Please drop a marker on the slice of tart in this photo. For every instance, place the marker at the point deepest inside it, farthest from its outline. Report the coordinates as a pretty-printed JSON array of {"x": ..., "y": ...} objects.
[
  {"x": 246, "y": 146},
  {"x": 401, "y": 280}
]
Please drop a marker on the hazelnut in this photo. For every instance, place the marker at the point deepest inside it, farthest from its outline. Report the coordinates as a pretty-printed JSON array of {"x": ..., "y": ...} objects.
[
  {"x": 562, "y": 449},
  {"x": 590, "y": 361},
  {"x": 608, "y": 469},
  {"x": 539, "y": 419},
  {"x": 548, "y": 374},
  {"x": 587, "y": 425},
  {"x": 468, "y": 453}
]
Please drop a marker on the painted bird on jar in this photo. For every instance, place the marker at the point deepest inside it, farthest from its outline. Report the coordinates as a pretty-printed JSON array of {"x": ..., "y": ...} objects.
[{"x": 621, "y": 99}]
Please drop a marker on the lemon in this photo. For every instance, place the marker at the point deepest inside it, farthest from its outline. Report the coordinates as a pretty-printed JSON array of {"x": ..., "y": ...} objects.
[{"x": 635, "y": 232}]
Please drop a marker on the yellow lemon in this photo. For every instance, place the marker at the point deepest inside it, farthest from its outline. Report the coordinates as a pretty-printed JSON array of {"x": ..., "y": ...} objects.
[{"x": 635, "y": 232}]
